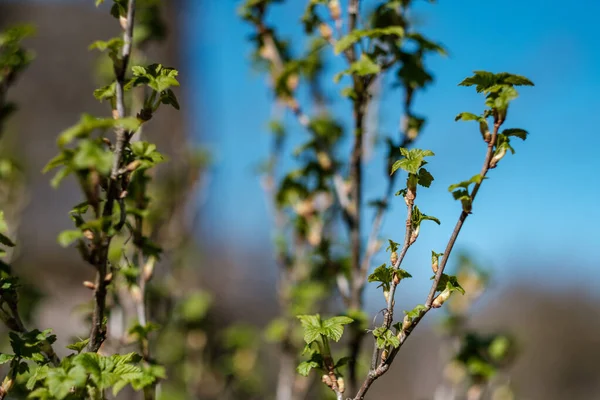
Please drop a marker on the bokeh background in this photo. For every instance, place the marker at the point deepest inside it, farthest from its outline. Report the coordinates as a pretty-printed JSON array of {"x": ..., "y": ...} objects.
[{"x": 535, "y": 227}]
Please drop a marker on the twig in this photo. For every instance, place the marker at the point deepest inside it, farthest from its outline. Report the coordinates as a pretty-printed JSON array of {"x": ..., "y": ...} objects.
[
  {"x": 98, "y": 333},
  {"x": 405, "y": 333}
]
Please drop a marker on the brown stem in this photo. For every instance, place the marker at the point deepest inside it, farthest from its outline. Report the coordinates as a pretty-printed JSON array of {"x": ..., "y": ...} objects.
[{"x": 98, "y": 332}]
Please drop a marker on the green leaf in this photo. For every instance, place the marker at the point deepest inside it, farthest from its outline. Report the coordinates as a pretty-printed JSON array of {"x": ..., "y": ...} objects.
[
  {"x": 449, "y": 282},
  {"x": 385, "y": 337},
  {"x": 485, "y": 81},
  {"x": 415, "y": 312},
  {"x": 333, "y": 327},
  {"x": 4, "y": 358},
  {"x": 78, "y": 346},
  {"x": 393, "y": 246},
  {"x": 168, "y": 97},
  {"x": 312, "y": 327},
  {"x": 483, "y": 124},
  {"x": 141, "y": 332},
  {"x": 5, "y": 240},
  {"x": 93, "y": 154},
  {"x": 478, "y": 367},
  {"x": 520, "y": 133},
  {"x": 65, "y": 238},
  {"x": 417, "y": 217},
  {"x": 305, "y": 366},
  {"x": 88, "y": 124},
  {"x": 499, "y": 348},
  {"x": 106, "y": 92},
  {"x": 147, "y": 154},
  {"x": 195, "y": 307},
  {"x": 358, "y": 34},
  {"x": 364, "y": 66},
  {"x": 342, "y": 361},
  {"x": 412, "y": 161},
  {"x": 382, "y": 274},
  {"x": 114, "y": 45},
  {"x": 155, "y": 76},
  {"x": 425, "y": 178},
  {"x": 467, "y": 116},
  {"x": 477, "y": 179},
  {"x": 61, "y": 159}
]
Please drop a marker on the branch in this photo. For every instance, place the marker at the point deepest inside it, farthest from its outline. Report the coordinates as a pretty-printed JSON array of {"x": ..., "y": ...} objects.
[
  {"x": 98, "y": 333},
  {"x": 405, "y": 332},
  {"x": 372, "y": 247}
]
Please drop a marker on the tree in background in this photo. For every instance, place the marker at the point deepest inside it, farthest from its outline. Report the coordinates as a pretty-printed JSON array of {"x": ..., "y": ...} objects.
[{"x": 318, "y": 204}]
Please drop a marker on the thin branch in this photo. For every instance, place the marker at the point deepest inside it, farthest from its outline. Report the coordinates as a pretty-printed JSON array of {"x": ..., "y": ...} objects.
[
  {"x": 405, "y": 333},
  {"x": 372, "y": 248},
  {"x": 98, "y": 333}
]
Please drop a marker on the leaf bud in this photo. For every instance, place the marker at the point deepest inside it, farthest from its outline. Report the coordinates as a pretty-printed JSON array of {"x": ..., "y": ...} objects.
[
  {"x": 123, "y": 22},
  {"x": 414, "y": 234},
  {"x": 396, "y": 278},
  {"x": 384, "y": 355},
  {"x": 325, "y": 31},
  {"x": 132, "y": 166},
  {"x": 341, "y": 385},
  {"x": 441, "y": 298},
  {"x": 484, "y": 129},
  {"x": 467, "y": 205},
  {"x": 335, "y": 9},
  {"x": 324, "y": 160},
  {"x": 89, "y": 285},
  {"x": 386, "y": 295},
  {"x": 108, "y": 277},
  {"x": 136, "y": 293},
  {"x": 499, "y": 155},
  {"x": 88, "y": 234},
  {"x": 394, "y": 257},
  {"x": 148, "y": 270},
  {"x": 326, "y": 379},
  {"x": 406, "y": 322},
  {"x": 292, "y": 82}
]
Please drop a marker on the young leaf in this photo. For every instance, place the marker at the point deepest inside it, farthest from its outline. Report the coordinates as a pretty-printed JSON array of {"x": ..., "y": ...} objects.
[
  {"x": 520, "y": 133},
  {"x": 333, "y": 327},
  {"x": 312, "y": 327},
  {"x": 65, "y": 238},
  {"x": 385, "y": 337},
  {"x": 364, "y": 66},
  {"x": 415, "y": 312},
  {"x": 465, "y": 184},
  {"x": 393, "y": 246},
  {"x": 412, "y": 161},
  {"x": 449, "y": 282},
  {"x": 382, "y": 274},
  {"x": 425, "y": 178},
  {"x": 358, "y": 34},
  {"x": 305, "y": 367},
  {"x": 78, "y": 346}
]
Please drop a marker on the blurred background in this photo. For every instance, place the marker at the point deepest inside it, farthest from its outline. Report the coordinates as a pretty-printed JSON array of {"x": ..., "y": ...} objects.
[{"x": 535, "y": 226}]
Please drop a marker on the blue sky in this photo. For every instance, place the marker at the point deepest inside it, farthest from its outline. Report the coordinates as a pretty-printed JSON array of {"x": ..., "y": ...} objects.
[{"x": 537, "y": 217}]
